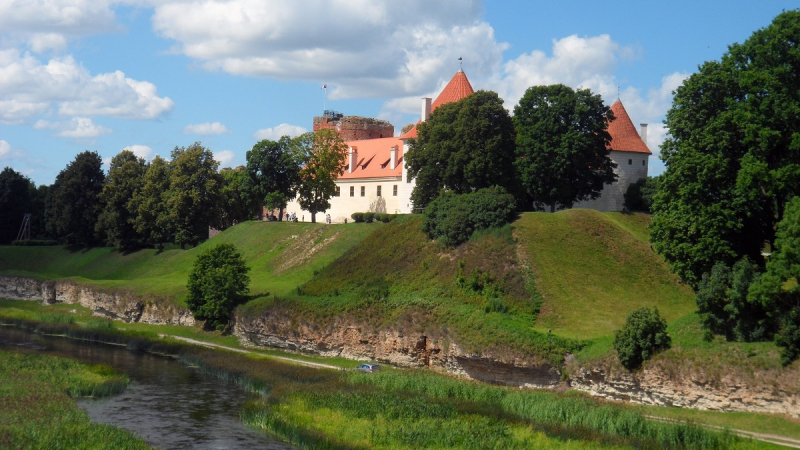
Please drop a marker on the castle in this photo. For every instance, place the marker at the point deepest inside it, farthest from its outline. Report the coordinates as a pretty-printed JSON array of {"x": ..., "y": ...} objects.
[{"x": 376, "y": 179}]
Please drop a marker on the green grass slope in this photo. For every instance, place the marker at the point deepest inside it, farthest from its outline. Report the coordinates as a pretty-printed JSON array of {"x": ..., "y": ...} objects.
[
  {"x": 592, "y": 269},
  {"x": 281, "y": 255}
]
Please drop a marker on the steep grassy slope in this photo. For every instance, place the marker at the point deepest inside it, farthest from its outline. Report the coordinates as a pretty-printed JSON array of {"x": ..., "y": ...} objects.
[
  {"x": 281, "y": 256},
  {"x": 592, "y": 269}
]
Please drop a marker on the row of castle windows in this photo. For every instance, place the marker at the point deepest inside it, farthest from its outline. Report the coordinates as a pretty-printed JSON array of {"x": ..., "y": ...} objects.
[
  {"x": 630, "y": 162},
  {"x": 338, "y": 191}
]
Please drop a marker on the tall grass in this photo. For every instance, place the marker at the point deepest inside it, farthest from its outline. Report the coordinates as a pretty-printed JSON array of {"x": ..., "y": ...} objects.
[{"x": 37, "y": 409}]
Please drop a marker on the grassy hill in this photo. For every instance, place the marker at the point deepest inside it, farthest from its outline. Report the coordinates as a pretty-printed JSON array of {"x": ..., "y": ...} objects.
[
  {"x": 281, "y": 255},
  {"x": 577, "y": 273}
]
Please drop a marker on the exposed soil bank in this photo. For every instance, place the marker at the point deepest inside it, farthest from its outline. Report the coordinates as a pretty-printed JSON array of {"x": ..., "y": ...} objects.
[
  {"x": 347, "y": 338},
  {"x": 118, "y": 305}
]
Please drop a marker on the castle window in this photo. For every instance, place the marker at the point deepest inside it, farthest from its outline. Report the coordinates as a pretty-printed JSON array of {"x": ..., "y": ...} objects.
[
  {"x": 363, "y": 191},
  {"x": 337, "y": 192},
  {"x": 644, "y": 162},
  {"x": 394, "y": 190},
  {"x": 630, "y": 162},
  {"x": 379, "y": 191},
  {"x": 352, "y": 191}
]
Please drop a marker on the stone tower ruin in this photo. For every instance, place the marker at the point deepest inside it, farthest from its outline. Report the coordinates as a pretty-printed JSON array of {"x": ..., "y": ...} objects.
[{"x": 354, "y": 128}]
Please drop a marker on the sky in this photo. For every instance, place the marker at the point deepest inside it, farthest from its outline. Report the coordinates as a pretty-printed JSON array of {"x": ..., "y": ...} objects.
[{"x": 150, "y": 75}]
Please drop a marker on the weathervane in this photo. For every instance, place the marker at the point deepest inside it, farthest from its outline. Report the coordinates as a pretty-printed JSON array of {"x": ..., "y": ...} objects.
[{"x": 461, "y": 63}]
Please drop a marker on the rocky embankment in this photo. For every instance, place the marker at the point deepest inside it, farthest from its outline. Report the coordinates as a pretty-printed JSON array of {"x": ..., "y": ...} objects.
[
  {"x": 118, "y": 305},
  {"x": 347, "y": 338}
]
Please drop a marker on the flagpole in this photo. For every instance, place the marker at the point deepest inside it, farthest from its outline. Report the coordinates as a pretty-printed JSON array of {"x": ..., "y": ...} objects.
[{"x": 324, "y": 97}]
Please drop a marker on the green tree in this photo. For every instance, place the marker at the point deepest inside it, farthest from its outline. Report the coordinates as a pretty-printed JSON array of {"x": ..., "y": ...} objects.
[
  {"x": 639, "y": 196},
  {"x": 723, "y": 305},
  {"x": 562, "y": 146},
  {"x": 194, "y": 193},
  {"x": 217, "y": 283},
  {"x": 15, "y": 201},
  {"x": 732, "y": 155},
  {"x": 318, "y": 175},
  {"x": 778, "y": 290},
  {"x": 238, "y": 204},
  {"x": 462, "y": 147},
  {"x": 152, "y": 219},
  {"x": 117, "y": 219},
  {"x": 274, "y": 169},
  {"x": 74, "y": 204},
  {"x": 643, "y": 334}
]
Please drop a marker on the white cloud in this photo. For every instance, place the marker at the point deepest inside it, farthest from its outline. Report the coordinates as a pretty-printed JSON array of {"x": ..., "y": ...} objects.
[
  {"x": 142, "y": 151},
  {"x": 361, "y": 48},
  {"x": 207, "y": 128},
  {"x": 277, "y": 132},
  {"x": 5, "y": 149},
  {"x": 48, "y": 24},
  {"x": 225, "y": 157},
  {"x": 29, "y": 87},
  {"x": 77, "y": 127}
]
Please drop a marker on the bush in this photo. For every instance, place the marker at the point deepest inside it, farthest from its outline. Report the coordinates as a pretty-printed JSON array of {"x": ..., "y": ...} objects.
[
  {"x": 452, "y": 218},
  {"x": 217, "y": 283},
  {"x": 357, "y": 217},
  {"x": 643, "y": 334},
  {"x": 369, "y": 216}
]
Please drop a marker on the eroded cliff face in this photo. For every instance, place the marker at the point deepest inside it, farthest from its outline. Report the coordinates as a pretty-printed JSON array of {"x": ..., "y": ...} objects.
[
  {"x": 653, "y": 386},
  {"x": 118, "y": 305},
  {"x": 346, "y": 338}
]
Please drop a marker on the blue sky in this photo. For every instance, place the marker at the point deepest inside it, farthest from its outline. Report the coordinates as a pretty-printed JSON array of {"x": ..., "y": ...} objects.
[{"x": 150, "y": 75}]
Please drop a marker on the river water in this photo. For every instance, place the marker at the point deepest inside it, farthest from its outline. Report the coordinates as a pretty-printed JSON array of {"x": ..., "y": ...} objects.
[{"x": 168, "y": 404}]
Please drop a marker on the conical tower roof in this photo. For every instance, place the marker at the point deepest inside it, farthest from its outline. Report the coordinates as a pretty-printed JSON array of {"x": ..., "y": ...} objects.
[
  {"x": 624, "y": 136},
  {"x": 456, "y": 89}
]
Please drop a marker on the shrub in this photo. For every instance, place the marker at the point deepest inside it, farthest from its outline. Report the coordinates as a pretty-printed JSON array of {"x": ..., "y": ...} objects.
[
  {"x": 369, "y": 216},
  {"x": 643, "y": 334},
  {"x": 217, "y": 283},
  {"x": 452, "y": 218},
  {"x": 357, "y": 217}
]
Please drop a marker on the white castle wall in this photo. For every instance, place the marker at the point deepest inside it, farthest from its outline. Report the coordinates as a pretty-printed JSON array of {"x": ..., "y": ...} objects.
[{"x": 631, "y": 167}]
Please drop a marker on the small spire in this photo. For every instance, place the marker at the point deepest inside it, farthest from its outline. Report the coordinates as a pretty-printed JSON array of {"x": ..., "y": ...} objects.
[{"x": 461, "y": 64}]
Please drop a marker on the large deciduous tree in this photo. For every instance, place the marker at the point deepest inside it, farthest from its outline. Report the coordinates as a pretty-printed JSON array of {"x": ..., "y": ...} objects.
[
  {"x": 273, "y": 170},
  {"x": 16, "y": 192},
  {"x": 117, "y": 219},
  {"x": 562, "y": 146},
  {"x": 462, "y": 147},
  {"x": 327, "y": 160},
  {"x": 150, "y": 203},
  {"x": 238, "y": 203},
  {"x": 74, "y": 205},
  {"x": 732, "y": 155},
  {"x": 194, "y": 196}
]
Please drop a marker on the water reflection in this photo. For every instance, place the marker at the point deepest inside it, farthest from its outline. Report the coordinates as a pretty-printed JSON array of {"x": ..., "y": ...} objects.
[{"x": 168, "y": 404}]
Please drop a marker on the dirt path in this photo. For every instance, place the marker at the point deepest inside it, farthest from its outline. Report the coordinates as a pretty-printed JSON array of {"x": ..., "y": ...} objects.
[
  {"x": 769, "y": 438},
  {"x": 239, "y": 350}
]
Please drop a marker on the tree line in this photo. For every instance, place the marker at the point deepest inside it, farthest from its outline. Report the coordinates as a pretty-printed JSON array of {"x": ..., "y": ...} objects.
[{"x": 147, "y": 204}]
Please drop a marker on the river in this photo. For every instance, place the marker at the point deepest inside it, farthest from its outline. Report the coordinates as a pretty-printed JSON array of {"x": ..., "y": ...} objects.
[{"x": 168, "y": 404}]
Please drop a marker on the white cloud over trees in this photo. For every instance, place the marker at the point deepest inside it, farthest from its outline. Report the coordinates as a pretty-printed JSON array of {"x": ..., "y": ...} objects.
[
  {"x": 276, "y": 132},
  {"x": 206, "y": 129}
]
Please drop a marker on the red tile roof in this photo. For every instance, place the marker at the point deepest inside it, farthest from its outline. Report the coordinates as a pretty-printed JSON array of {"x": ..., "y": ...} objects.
[
  {"x": 624, "y": 136},
  {"x": 374, "y": 159},
  {"x": 456, "y": 89}
]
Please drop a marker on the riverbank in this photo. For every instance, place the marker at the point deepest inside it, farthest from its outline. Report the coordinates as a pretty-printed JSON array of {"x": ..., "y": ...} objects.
[
  {"x": 38, "y": 408},
  {"x": 309, "y": 405}
]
